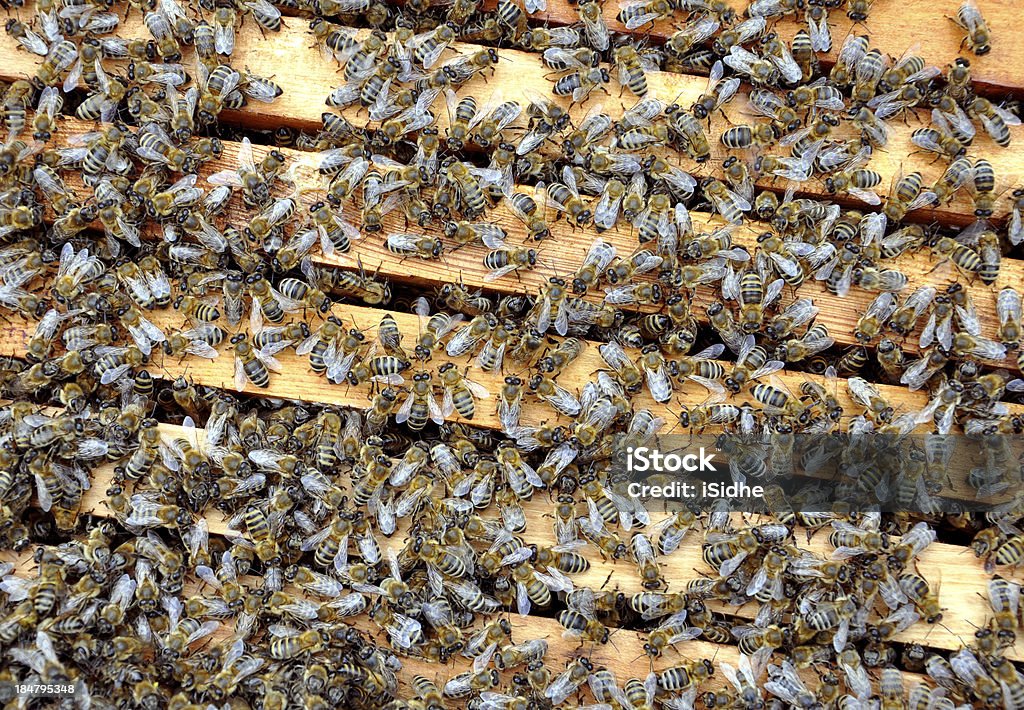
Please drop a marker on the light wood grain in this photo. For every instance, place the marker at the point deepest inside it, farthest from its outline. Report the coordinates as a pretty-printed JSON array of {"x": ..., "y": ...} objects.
[
  {"x": 953, "y": 570},
  {"x": 945, "y": 563},
  {"x": 302, "y": 104},
  {"x": 894, "y": 27},
  {"x": 623, "y": 655},
  {"x": 565, "y": 252},
  {"x": 301, "y": 383}
]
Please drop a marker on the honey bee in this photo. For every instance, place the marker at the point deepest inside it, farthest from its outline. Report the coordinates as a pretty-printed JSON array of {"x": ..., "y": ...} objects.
[
  {"x": 554, "y": 394},
  {"x": 730, "y": 205},
  {"x": 594, "y": 27},
  {"x": 979, "y": 37},
  {"x": 690, "y": 137},
  {"x": 637, "y": 13},
  {"x": 995, "y": 120},
  {"x": 1004, "y": 597},
  {"x": 938, "y": 138},
  {"x": 460, "y": 393},
  {"x": 759, "y": 71},
  {"x": 420, "y": 404}
]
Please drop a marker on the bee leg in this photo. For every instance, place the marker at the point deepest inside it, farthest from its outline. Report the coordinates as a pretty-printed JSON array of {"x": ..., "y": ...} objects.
[{"x": 941, "y": 263}]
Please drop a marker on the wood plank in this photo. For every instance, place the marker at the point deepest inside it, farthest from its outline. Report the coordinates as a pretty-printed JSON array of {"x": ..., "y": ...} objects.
[
  {"x": 935, "y": 37},
  {"x": 303, "y": 384},
  {"x": 563, "y": 255},
  {"x": 940, "y": 563},
  {"x": 623, "y": 655},
  {"x": 302, "y": 104}
]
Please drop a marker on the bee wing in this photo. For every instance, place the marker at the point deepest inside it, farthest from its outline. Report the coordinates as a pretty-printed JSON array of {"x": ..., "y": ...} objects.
[
  {"x": 224, "y": 38},
  {"x": 240, "y": 377},
  {"x": 786, "y": 65},
  {"x": 405, "y": 410},
  {"x": 1009, "y": 118},
  {"x": 404, "y": 242},
  {"x": 562, "y": 318},
  {"x": 498, "y": 273},
  {"x": 339, "y": 365},
  {"x": 511, "y": 112},
  {"x": 564, "y": 401},
  {"x": 959, "y": 120},
  {"x": 638, "y": 20},
  {"x": 508, "y": 413},
  {"x": 969, "y": 17},
  {"x": 882, "y": 307},
  {"x": 987, "y": 349},
  {"x": 476, "y": 389},
  {"x": 772, "y": 292},
  {"x": 770, "y": 367},
  {"x": 486, "y": 176},
  {"x": 765, "y": 102},
  {"x": 865, "y": 196},
  {"x": 560, "y": 56},
  {"x": 1008, "y": 305},
  {"x": 741, "y": 203},
  {"x": 861, "y": 390},
  {"x": 620, "y": 295},
  {"x": 990, "y": 125},
  {"x": 741, "y": 59},
  {"x": 201, "y": 348},
  {"x": 436, "y": 415},
  {"x": 821, "y": 36},
  {"x": 151, "y": 331},
  {"x": 447, "y": 403},
  {"x": 659, "y": 384},
  {"x": 600, "y": 255},
  {"x": 613, "y": 354}
]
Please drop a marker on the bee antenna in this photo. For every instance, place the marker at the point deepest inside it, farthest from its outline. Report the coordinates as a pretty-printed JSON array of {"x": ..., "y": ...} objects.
[{"x": 950, "y": 632}]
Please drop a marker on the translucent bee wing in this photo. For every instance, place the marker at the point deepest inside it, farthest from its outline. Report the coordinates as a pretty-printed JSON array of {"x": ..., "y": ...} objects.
[
  {"x": 498, "y": 273},
  {"x": 436, "y": 415},
  {"x": 201, "y": 348},
  {"x": 987, "y": 349},
  {"x": 770, "y": 367},
  {"x": 741, "y": 59},
  {"x": 960, "y": 121},
  {"x": 476, "y": 389},
  {"x": 882, "y": 307},
  {"x": 821, "y": 36},
  {"x": 633, "y": 21},
  {"x": 772, "y": 292},
  {"x": 562, "y": 319},
  {"x": 786, "y": 65},
  {"x": 240, "y": 376},
  {"x": 1009, "y": 118},
  {"x": 787, "y": 266},
  {"x": 447, "y": 403},
  {"x": 865, "y": 196}
]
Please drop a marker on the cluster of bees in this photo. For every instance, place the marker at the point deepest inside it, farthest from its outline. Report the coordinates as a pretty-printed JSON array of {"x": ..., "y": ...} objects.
[{"x": 356, "y": 543}]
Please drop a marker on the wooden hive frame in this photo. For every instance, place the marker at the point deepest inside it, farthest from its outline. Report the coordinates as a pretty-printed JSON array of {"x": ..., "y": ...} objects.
[{"x": 963, "y": 580}]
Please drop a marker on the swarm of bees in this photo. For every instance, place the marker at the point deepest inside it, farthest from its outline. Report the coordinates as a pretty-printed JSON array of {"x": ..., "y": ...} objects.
[{"x": 179, "y": 545}]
